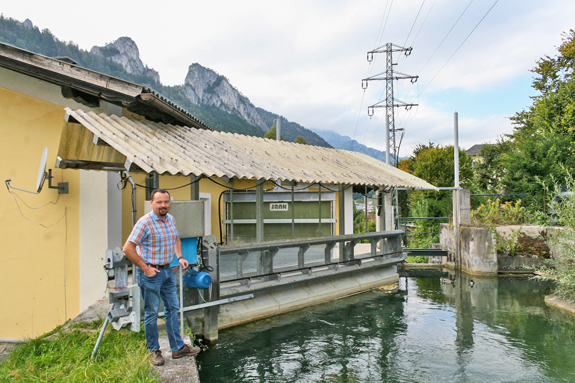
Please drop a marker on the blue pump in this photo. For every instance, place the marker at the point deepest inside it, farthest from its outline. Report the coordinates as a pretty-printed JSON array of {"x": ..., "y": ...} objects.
[{"x": 197, "y": 279}]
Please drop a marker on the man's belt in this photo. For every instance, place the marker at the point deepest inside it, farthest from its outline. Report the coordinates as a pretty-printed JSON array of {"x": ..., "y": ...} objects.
[{"x": 167, "y": 265}]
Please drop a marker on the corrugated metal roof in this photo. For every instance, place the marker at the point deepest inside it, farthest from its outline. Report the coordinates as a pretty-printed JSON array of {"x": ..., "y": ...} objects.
[{"x": 182, "y": 150}]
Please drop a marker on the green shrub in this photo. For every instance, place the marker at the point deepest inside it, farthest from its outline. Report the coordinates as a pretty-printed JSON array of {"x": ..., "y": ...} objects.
[
  {"x": 494, "y": 213},
  {"x": 561, "y": 269},
  {"x": 417, "y": 259}
]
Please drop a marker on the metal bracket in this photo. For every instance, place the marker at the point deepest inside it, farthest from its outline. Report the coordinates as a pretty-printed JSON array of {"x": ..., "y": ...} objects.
[{"x": 62, "y": 186}]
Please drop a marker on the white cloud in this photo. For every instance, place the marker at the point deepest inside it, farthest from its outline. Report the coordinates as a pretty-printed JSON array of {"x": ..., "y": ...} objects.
[{"x": 305, "y": 60}]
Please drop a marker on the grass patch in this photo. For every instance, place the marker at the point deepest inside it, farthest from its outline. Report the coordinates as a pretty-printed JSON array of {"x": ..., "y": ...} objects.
[{"x": 64, "y": 356}]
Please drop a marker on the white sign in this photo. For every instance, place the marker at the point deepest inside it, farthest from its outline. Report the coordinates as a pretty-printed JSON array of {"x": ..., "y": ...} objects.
[{"x": 278, "y": 206}]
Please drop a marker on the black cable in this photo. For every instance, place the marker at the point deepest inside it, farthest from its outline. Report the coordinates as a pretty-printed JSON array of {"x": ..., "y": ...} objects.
[
  {"x": 209, "y": 269},
  {"x": 177, "y": 187},
  {"x": 34, "y": 208},
  {"x": 220, "y": 217},
  {"x": 229, "y": 188}
]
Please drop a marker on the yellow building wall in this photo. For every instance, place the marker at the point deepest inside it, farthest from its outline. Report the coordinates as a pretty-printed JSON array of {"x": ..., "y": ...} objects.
[{"x": 39, "y": 233}]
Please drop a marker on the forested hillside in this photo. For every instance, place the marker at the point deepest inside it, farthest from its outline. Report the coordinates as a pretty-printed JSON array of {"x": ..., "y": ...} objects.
[{"x": 27, "y": 36}]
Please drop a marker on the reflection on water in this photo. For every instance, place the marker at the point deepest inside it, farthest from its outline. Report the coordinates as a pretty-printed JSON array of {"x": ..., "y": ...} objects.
[{"x": 498, "y": 330}]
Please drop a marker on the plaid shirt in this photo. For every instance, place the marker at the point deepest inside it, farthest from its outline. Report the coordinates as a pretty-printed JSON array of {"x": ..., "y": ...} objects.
[{"x": 156, "y": 238}]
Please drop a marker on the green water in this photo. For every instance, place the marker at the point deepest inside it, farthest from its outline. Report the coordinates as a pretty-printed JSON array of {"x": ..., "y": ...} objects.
[{"x": 499, "y": 330}]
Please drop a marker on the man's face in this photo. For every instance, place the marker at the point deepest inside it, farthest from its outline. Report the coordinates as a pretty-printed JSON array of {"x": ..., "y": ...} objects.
[{"x": 161, "y": 204}]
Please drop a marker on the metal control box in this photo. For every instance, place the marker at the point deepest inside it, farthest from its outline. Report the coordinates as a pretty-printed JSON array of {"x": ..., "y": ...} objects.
[{"x": 189, "y": 217}]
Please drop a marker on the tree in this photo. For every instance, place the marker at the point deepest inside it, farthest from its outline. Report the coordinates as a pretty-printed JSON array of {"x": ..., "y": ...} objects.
[
  {"x": 271, "y": 133},
  {"x": 435, "y": 164},
  {"x": 300, "y": 140},
  {"x": 544, "y": 135},
  {"x": 488, "y": 171}
]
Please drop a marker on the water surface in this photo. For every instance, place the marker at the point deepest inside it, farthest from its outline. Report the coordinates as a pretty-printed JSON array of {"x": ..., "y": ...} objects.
[{"x": 499, "y": 330}]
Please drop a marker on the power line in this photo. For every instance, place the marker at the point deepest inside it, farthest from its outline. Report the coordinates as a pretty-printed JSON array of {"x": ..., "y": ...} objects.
[
  {"x": 422, "y": 24},
  {"x": 442, "y": 41},
  {"x": 460, "y": 45},
  {"x": 378, "y": 43},
  {"x": 413, "y": 25},
  {"x": 437, "y": 48}
]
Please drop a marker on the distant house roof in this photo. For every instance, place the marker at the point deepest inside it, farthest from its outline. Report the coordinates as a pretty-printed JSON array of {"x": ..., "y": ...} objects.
[
  {"x": 474, "y": 150},
  {"x": 157, "y": 147},
  {"x": 87, "y": 86}
]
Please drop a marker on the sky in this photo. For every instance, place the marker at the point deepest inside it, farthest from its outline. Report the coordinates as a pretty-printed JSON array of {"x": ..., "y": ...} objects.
[{"x": 305, "y": 59}]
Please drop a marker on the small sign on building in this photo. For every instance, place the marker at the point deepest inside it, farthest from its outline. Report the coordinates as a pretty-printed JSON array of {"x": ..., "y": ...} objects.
[{"x": 279, "y": 206}]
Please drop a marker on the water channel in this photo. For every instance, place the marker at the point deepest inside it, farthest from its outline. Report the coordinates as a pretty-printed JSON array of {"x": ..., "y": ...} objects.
[{"x": 498, "y": 330}]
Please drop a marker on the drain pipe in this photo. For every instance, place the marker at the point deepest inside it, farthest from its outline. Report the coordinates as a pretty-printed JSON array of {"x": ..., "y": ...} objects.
[{"x": 134, "y": 210}]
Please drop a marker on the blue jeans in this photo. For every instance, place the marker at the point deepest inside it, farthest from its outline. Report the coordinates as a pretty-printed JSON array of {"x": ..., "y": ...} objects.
[{"x": 162, "y": 285}]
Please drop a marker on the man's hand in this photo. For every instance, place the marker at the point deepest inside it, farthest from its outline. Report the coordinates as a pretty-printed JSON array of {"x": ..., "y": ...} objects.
[
  {"x": 183, "y": 263},
  {"x": 150, "y": 271}
]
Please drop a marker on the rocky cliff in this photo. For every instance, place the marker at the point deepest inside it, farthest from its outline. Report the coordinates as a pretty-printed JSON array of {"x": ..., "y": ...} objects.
[
  {"x": 125, "y": 52},
  {"x": 204, "y": 86}
]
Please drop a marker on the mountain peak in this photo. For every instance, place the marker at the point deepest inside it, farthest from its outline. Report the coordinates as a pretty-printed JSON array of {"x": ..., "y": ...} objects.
[
  {"x": 125, "y": 52},
  {"x": 205, "y": 86}
]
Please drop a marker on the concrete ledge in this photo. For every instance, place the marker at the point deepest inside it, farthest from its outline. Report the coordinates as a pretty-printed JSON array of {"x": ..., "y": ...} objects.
[
  {"x": 294, "y": 297},
  {"x": 554, "y": 301},
  {"x": 408, "y": 266},
  {"x": 183, "y": 370}
]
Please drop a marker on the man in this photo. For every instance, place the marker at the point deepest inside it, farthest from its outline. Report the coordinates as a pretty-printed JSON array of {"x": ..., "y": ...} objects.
[{"x": 158, "y": 239}]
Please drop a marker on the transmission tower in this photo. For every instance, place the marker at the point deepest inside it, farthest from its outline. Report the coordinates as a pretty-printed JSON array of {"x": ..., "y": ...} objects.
[{"x": 390, "y": 102}]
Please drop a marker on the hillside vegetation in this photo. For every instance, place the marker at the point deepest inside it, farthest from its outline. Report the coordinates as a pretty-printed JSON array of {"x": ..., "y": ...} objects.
[{"x": 27, "y": 36}]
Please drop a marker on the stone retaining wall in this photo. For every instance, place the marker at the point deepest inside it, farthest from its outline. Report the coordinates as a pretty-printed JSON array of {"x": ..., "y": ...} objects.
[{"x": 478, "y": 254}]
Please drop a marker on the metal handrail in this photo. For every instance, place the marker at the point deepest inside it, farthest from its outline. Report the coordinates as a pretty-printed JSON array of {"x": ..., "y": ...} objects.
[
  {"x": 391, "y": 247},
  {"x": 311, "y": 241}
]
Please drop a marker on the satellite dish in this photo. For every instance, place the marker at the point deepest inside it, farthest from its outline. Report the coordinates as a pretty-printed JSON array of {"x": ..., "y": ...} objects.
[
  {"x": 42, "y": 176},
  {"x": 42, "y": 171}
]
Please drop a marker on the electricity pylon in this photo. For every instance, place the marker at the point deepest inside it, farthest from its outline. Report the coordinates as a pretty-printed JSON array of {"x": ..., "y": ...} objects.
[{"x": 390, "y": 102}]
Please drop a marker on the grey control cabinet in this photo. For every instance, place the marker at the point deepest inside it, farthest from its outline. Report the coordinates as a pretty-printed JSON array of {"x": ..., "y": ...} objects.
[{"x": 189, "y": 217}]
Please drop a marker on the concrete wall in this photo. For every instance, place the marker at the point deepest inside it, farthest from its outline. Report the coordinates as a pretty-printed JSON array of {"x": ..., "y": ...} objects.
[
  {"x": 447, "y": 239},
  {"x": 518, "y": 265},
  {"x": 293, "y": 297},
  {"x": 478, "y": 254},
  {"x": 93, "y": 227}
]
